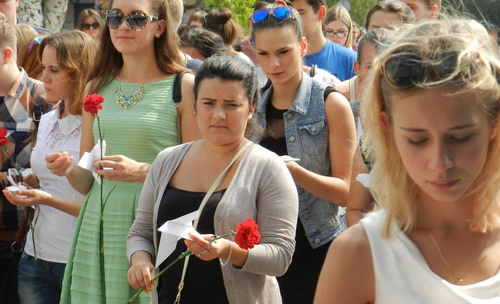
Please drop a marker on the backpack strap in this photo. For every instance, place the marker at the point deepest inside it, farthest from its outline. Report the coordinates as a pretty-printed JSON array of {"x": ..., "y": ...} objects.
[{"x": 177, "y": 90}]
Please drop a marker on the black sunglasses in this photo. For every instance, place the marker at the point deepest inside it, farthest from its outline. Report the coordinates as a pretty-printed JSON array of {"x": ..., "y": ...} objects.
[
  {"x": 87, "y": 26},
  {"x": 404, "y": 71},
  {"x": 136, "y": 21}
]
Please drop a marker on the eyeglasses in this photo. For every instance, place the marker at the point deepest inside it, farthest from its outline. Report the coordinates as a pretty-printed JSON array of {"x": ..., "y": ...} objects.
[
  {"x": 88, "y": 26},
  {"x": 404, "y": 71},
  {"x": 341, "y": 34},
  {"x": 36, "y": 40},
  {"x": 136, "y": 21}
]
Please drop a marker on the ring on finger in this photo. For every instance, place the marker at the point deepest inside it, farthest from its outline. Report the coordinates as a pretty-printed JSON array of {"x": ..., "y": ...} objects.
[{"x": 202, "y": 253}]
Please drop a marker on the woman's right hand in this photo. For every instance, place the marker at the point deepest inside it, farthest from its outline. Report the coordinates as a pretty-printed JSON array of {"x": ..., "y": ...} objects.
[
  {"x": 142, "y": 271},
  {"x": 59, "y": 163}
]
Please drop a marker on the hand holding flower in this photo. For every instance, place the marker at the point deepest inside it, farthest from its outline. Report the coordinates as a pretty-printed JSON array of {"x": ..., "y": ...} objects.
[
  {"x": 207, "y": 249},
  {"x": 121, "y": 168}
]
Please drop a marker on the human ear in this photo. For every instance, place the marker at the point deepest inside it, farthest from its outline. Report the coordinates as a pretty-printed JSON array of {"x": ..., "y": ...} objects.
[
  {"x": 322, "y": 13},
  {"x": 383, "y": 120},
  {"x": 250, "y": 113},
  {"x": 357, "y": 67},
  {"x": 494, "y": 130},
  {"x": 7, "y": 55},
  {"x": 303, "y": 46},
  {"x": 434, "y": 11},
  {"x": 160, "y": 28}
]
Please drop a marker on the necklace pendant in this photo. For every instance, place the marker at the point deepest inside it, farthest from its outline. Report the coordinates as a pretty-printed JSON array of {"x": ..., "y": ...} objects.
[
  {"x": 128, "y": 101},
  {"x": 460, "y": 281}
]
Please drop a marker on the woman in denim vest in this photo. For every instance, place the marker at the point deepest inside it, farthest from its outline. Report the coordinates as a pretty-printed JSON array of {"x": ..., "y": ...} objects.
[{"x": 315, "y": 135}]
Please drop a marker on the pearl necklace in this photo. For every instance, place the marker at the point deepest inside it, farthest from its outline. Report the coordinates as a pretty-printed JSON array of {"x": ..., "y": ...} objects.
[{"x": 128, "y": 101}]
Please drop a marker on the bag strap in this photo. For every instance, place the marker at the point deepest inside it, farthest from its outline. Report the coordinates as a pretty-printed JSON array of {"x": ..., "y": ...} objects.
[
  {"x": 328, "y": 90},
  {"x": 177, "y": 97},
  {"x": 202, "y": 205}
]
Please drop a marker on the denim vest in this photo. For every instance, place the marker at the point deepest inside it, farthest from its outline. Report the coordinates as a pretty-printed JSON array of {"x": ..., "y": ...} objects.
[{"x": 306, "y": 133}]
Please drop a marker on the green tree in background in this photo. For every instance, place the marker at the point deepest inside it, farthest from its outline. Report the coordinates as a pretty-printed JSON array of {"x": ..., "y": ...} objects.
[
  {"x": 241, "y": 9},
  {"x": 358, "y": 11}
]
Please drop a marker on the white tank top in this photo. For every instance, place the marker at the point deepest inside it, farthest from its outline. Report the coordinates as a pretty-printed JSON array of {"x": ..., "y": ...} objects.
[{"x": 403, "y": 276}]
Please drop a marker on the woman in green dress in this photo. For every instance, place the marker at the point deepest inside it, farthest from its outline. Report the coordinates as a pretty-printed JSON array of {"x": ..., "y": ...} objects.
[{"x": 134, "y": 72}]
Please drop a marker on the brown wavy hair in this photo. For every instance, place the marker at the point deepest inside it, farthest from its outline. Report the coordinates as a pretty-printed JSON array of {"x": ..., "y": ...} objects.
[{"x": 75, "y": 51}]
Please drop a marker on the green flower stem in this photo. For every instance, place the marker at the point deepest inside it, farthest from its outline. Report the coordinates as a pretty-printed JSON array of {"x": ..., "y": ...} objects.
[{"x": 180, "y": 257}]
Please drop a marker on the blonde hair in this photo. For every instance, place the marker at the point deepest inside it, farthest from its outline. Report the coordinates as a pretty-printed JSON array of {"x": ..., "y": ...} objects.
[
  {"x": 475, "y": 72},
  {"x": 75, "y": 52},
  {"x": 340, "y": 13}
]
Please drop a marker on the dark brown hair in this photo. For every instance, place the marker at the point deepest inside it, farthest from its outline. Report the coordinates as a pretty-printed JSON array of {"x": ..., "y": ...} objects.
[{"x": 220, "y": 22}]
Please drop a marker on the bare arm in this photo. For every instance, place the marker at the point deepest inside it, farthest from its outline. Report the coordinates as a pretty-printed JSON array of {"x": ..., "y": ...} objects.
[
  {"x": 32, "y": 197},
  {"x": 360, "y": 198},
  {"x": 347, "y": 276},
  {"x": 189, "y": 126},
  {"x": 341, "y": 145}
]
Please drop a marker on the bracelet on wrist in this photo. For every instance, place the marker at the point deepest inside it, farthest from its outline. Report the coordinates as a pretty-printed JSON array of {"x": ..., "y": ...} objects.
[{"x": 228, "y": 256}]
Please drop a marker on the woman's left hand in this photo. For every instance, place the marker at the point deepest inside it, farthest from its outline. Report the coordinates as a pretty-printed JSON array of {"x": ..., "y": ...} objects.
[
  {"x": 27, "y": 198},
  {"x": 121, "y": 168},
  {"x": 203, "y": 249}
]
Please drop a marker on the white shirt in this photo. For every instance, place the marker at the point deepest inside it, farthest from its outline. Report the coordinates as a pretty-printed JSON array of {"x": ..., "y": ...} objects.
[
  {"x": 403, "y": 276},
  {"x": 54, "y": 228}
]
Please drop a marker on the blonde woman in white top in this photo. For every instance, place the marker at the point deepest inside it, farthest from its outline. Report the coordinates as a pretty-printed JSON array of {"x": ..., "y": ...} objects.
[{"x": 431, "y": 117}]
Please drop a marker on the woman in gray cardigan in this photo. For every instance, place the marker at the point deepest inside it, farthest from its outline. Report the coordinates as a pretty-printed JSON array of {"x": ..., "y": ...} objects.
[{"x": 258, "y": 185}]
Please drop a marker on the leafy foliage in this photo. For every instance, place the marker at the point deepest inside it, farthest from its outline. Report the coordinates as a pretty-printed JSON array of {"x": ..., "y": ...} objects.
[{"x": 359, "y": 9}]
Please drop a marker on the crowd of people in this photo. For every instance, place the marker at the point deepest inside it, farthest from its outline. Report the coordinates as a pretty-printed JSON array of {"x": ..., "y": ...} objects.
[{"x": 368, "y": 157}]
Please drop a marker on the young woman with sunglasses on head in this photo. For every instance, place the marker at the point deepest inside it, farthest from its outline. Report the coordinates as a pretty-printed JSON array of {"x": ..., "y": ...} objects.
[
  {"x": 303, "y": 121},
  {"x": 66, "y": 59},
  {"x": 134, "y": 72},
  {"x": 90, "y": 22},
  {"x": 431, "y": 116}
]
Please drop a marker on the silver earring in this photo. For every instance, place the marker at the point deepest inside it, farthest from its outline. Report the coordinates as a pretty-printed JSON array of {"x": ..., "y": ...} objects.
[{"x": 157, "y": 35}]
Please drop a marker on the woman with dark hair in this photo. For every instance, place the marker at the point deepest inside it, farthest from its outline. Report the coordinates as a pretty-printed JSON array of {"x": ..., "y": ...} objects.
[
  {"x": 257, "y": 185},
  {"x": 135, "y": 70},
  {"x": 200, "y": 43},
  {"x": 308, "y": 121},
  {"x": 66, "y": 59},
  {"x": 220, "y": 22}
]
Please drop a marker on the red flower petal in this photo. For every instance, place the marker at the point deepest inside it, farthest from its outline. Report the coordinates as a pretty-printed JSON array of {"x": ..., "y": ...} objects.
[{"x": 247, "y": 234}]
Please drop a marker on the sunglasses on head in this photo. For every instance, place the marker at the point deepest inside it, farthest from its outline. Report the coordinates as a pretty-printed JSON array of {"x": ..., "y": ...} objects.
[
  {"x": 87, "y": 26},
  {"x": 136, "y": 21},
  {"x": 404, "y": 71},
  {"x": 280, "y": 13}
]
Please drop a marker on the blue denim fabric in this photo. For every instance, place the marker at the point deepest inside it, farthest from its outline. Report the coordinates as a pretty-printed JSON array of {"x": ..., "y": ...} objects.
[
  {"x": 306, "y": 134},
  {"x": 39, "y": 282}
]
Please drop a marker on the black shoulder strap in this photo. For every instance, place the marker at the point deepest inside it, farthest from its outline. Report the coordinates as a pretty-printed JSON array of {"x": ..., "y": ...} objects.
[
  {"x": 328, "y": 90},
  {"x": 40, "y": 106},
  {"x": 312, "y": 73},
  {"x": 177, "y": 90}
]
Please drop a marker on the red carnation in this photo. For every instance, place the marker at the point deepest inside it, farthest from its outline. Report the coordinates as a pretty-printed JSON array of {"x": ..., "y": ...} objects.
[
  {"x": 92, "y": 103},
  {"x": 3, "y": 137},
  {"x": 247, "y": 234}
]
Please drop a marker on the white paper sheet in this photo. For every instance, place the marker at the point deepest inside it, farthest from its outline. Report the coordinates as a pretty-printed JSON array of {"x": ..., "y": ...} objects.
[
  {"x": 172, "y": 231},
  {"x": 364, "y": 179},
  {"x": 87, "y": 160}
]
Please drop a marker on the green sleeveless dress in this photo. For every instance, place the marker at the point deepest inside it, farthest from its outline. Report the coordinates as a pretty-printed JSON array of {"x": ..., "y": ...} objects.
[{"x": 139, "y": 133}]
